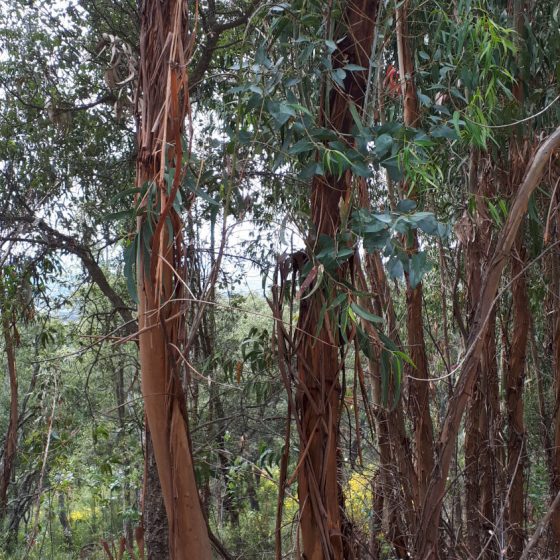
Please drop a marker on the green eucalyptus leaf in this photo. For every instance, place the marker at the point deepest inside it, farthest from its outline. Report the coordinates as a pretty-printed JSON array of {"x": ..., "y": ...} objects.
[
  {"x": 383, "y": 145},
  {"x": 365, "y": 314},
  {"x": 418, "y": 267},
  {"x": 406, "y": 205}
]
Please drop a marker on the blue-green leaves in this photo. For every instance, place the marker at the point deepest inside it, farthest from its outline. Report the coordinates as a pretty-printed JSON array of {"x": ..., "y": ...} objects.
[
  {"x": 332, "y": 253},
  {"x": 130, "y": 258},
  {"x": 365, "y": 314},
  {"x": 385, "y": 232},
  {"x": 417, "y": 268}
]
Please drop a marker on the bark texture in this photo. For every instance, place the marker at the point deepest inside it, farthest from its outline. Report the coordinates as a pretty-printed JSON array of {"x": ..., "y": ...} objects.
[
  {"x": 162, "y": 106},
  {"x": 319, "y": 365},
  {"x": 10, "y": 443}
]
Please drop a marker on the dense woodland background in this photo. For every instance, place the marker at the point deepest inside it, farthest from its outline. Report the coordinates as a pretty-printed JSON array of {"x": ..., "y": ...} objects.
[{"x": 299, "y": 258}]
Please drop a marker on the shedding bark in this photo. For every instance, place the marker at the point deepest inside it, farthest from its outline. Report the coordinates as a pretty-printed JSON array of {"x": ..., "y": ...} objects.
[
  {"x": 319, "y": 363},
  {"x": 162, "y": 106}
]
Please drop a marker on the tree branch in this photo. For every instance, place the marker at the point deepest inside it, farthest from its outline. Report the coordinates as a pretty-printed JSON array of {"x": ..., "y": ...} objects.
[{"x": 60, "y": 241}]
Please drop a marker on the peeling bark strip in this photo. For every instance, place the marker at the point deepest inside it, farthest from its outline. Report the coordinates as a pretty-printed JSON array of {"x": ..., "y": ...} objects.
[
  {"x": 427, "y": 545},
  {"x": 162, "y": 105},
  {"x": 318, "y": 398}
]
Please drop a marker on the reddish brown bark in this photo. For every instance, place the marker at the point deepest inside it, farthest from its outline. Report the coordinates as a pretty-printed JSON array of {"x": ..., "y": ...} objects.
[
  {"x": 10, "y": 444},
  {"x": 514, "y": 400},
  {"x": 318, "y": 398},
  {"x": 162, "y": 107},
  {"x": 515, "y": 375},
  {"x": 475, "y": 234},
  {"x": 419, "y": 390}
]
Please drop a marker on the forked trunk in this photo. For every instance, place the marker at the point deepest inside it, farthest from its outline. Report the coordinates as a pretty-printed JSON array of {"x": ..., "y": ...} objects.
[{"x": 163, "y": 104}]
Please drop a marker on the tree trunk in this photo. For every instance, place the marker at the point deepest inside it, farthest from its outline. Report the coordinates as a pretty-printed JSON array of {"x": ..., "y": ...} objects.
[
  {"x": 480, "y": 423},
  {"x": 514, "y": 384},
  {"x": 318, "y": 397},
  {"x": 10, "y": 444},
  {"x": 63, "y": 518},
  {"x": 419, "y": 389},
  {"x": 514, "y": 399},
  {"x": 162, "y": 106}
]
